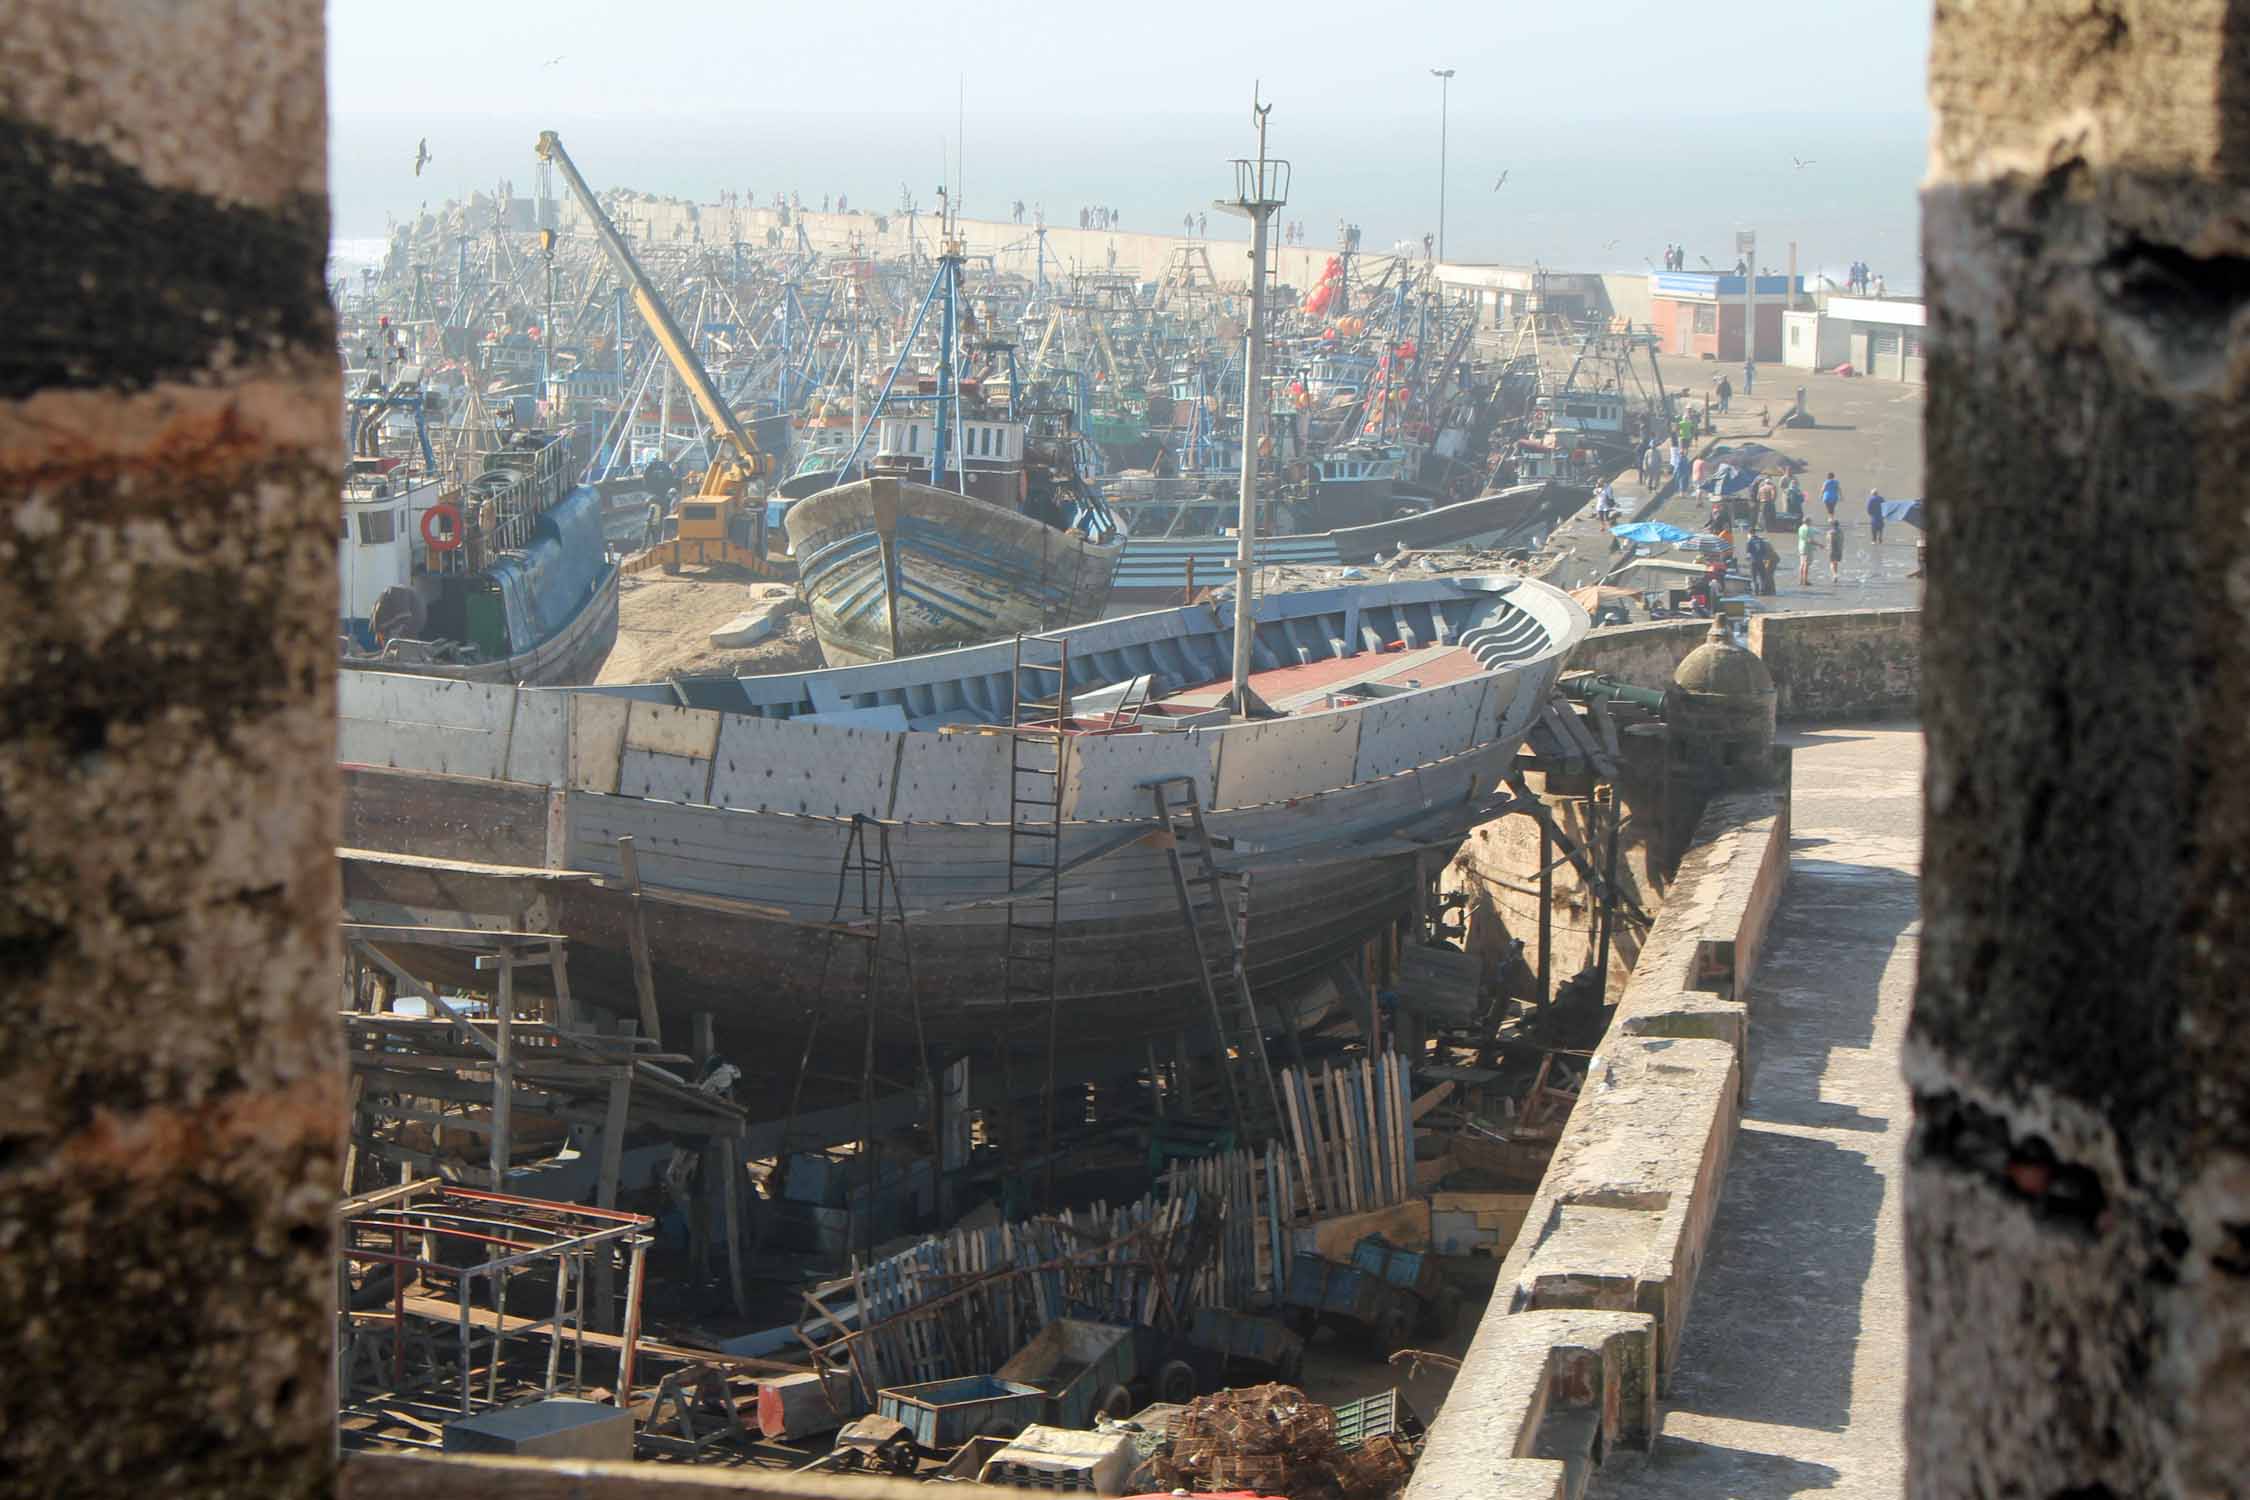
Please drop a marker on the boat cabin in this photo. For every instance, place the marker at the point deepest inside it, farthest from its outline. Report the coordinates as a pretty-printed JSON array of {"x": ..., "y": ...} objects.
[
  {"x": 989, "y": 452},
  {"x": 383, "y": 511},
  {"x": 1586, "y": 412}
]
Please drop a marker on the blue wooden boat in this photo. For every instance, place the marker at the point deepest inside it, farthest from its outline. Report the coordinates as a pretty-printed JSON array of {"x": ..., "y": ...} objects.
[{"x": 892, "y": 568}]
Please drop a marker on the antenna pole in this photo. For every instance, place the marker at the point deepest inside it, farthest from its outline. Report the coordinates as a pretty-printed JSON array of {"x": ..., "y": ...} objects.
[{"x": 1261, "y": 188}]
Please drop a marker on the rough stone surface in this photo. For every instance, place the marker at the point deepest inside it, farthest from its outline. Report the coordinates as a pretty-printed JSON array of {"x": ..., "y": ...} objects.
[
  {"x": 1646, "y": 654},
  {"x": 169, "y": 1073},
  {"x": 1522, "y": 1369},
  {"x": 1791, "y": 1374},
  {"x": 2080, "y": 1193},
  {"x": 1831, "y": 665}
]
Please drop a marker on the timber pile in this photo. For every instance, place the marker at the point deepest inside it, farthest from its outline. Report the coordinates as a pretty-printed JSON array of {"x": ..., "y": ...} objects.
[
  {"x": 1351, "y": 1131},
  {"x": 962, "y": 1303}
]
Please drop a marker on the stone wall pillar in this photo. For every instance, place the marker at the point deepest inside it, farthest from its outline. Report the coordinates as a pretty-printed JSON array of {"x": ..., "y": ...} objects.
[
  {"x": 2079, "y": 1181},
  {"x": 169, "y": 448}
]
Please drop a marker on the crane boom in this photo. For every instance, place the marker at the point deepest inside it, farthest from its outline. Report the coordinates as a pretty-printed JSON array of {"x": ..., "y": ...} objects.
[{"x": 658, "y": 317}]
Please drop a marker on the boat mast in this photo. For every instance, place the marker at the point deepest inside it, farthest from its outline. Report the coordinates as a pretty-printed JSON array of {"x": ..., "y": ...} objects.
[{"x": 1260, "y": 188}]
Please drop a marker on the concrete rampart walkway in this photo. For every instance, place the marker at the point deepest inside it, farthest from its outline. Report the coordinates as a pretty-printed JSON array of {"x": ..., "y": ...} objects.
[{"x": 1792, "y": 1370}]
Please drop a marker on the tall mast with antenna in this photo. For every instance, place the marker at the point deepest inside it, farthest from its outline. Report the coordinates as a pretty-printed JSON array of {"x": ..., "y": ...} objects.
[{"x": 1261, "y": 187}]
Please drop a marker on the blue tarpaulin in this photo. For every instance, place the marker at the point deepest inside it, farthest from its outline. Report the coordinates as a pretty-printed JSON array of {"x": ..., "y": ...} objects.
[
  {"x": 1650, "y": 531},
  {"x": 1909, "y": 511}
]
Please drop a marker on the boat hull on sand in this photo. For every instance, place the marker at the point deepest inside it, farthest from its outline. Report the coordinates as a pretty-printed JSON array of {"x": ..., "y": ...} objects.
[
  {"x": 503, "y": 809},
  {"x": 893, "y": 569}
]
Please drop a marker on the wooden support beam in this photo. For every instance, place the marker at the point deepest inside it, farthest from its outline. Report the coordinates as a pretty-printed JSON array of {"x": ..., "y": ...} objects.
[
  {"x": 636, "y": 936},
  {"x": 504, "y": 1067},
  {"x": 566, "y": 1009},
  {"x": 605, "y": 1191}
]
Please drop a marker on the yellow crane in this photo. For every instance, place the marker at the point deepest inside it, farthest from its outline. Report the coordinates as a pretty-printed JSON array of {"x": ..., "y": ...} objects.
[{"x": 725, "y": 520}]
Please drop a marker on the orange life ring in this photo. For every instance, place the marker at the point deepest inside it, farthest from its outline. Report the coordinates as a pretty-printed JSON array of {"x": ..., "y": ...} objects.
[{"x": 452, "y": 537}]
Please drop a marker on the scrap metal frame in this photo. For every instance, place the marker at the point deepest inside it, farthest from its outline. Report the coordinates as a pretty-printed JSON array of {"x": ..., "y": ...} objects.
[{"x": 515, "y": 1233}]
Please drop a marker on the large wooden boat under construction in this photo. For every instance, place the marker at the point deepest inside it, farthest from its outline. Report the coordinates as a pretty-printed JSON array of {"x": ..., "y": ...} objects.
[{"x": 1400, "y": 707}]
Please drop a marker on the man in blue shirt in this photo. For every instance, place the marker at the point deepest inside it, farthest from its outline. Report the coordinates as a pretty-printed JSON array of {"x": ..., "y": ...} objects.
[{"x": 1831, "y": 494}]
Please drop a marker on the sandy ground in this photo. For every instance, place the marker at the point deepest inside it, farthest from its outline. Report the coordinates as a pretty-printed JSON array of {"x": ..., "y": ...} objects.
[{"x": 665, "y": 623}]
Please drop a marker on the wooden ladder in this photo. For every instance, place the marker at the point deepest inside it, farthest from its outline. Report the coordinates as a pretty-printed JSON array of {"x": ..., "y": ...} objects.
[
  {"x": 1205, "y": 907},
  {"x": 1038, "y": 762},
  {"x": 879, "y": 926}
]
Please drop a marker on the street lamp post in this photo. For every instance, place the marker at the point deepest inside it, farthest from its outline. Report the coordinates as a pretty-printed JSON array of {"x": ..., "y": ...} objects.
[{"x": 1444, "y": 76}]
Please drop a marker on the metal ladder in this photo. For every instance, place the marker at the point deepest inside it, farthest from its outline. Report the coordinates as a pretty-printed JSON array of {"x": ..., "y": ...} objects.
[
  {"x": 1038, "y": 761},
  {"x": 1252, "y": 1099},
  {"x": 882, "y": 910}
]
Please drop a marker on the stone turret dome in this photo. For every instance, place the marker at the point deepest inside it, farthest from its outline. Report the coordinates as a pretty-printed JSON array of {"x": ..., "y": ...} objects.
[
  {"x": 1720, "y": 712},
  {"x": 1720, "y": 669}
]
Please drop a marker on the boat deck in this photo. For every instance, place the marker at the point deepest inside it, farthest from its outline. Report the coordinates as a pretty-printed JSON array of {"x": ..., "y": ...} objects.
[{"x": 1309, "y": 687}]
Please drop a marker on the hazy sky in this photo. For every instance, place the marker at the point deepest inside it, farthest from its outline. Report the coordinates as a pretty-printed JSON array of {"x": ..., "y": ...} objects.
[{"x": 1620, "y": 121}]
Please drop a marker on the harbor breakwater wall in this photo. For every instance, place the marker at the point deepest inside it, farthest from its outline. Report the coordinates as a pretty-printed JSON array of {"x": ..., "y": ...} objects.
[
  {"x": 1012, "y": 246},
  {"x": 1583, "y": 1329}
]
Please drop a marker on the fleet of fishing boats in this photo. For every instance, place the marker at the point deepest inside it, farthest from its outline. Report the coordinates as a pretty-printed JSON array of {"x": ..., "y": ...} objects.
[{"x": 944, "y": 457}]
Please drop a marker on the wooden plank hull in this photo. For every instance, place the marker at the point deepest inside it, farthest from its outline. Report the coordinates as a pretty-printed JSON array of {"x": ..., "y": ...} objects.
[
  {"x": 894, "y": 569},
  {"x": 504, "y": 810}
]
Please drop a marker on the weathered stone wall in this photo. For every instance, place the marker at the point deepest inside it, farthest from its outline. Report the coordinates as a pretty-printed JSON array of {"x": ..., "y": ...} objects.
[
  {"x": 1621, "y": 1219},
  {"x": 2078, "y": 1191},
  {"x": 1645, "y": 655},
  {"x": 1827, "y": 665},
  {"x": 169, "y": 1075},
  {"x": 1831, "y": 665}
]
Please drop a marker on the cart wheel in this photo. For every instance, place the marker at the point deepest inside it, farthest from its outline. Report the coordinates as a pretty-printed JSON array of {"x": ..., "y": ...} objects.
[
  {"x": 1303, "y": 1321},
  {"x": 1442, "y": 1313},
  {"x": 901, "y": 1458},
  {"x": 1116, "y": 1404},
  {"x": 1394, "y": 1327},
  {"x": 1176, "y": 1382}
]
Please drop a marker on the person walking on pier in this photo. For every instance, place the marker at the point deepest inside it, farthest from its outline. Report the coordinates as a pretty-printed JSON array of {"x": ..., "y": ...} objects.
[
  {"x": 1831, "y": 494},
  {"x": 1806, "y": 541},
  {"x": 1749, "y": 376},
  {"x": 1726, "y": 393},
  {"x": 1875, "y": 517},
  {"x": 1835, "y": 551}
]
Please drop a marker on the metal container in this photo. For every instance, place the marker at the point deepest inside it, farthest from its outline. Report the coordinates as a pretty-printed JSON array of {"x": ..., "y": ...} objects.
[
  {"x": 1414, "y": 1270},
  {"x": 1076, "y": 1363},
  {"x": 947, "y": 1413}
]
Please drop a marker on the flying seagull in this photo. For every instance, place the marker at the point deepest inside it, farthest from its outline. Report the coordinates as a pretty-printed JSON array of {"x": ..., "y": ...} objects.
[
  {"x": 550, "y": 62},
  {"x": 422, "y": 157},
  {"x": 1612, "y": 245},
  {"x": 1503, "y": 182},
  {"x": 1800, "y": 162}
]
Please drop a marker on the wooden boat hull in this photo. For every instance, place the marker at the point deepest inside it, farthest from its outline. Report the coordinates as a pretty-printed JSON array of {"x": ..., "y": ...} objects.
[
  {"x": 1157, "y": 569},
  {"x": 891, "y": 569},
  {"x": 471, "y": 806}
]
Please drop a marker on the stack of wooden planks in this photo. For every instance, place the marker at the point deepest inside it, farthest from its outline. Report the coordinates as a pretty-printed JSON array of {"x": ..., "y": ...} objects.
[{"x": 1351, "y": 1132}]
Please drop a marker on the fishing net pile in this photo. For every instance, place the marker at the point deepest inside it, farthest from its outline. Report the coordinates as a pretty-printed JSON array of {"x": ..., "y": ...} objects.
[{"x": 1275, "y": 1440}]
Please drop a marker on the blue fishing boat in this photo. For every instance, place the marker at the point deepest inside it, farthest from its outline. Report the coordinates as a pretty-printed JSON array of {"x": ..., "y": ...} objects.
[
  {"x": 892, "y": 568},
  {"x": 973, "y": 522}
]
